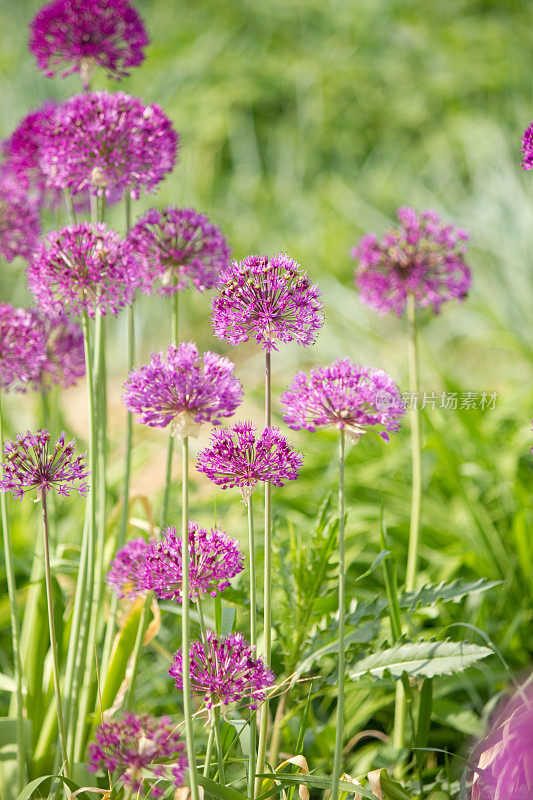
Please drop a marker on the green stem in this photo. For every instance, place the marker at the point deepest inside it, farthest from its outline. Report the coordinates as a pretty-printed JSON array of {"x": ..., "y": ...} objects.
[
  {"x": 69, "y": 205},
  {"x": 53, "y": 640},
  {"x": 339, "y": 732},
  {"x": 203, "y": 629},
  {"x": 209, "y": 751},
  {"x": 137, "y": 650},
  {"x": 253, "y": 642},
  {"x": 168, "y": 476},
  {"x": 15, "y": 627},
  {"x": 220, "y": 752},
  {"x": 185, "y": 629},
  {"x": 414, "y": 530}
]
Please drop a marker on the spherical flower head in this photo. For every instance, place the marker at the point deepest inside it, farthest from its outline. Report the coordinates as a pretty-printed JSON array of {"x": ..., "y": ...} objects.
[
  {"x": 183, "y": 388},
  {"x": 82, "y": 268},
  {"x": 347, "y": 396},
  {"x": 214, "y": 559},
  {"x": 178, "y": 247},
  {"x": 32, "y": 464},
  {"x": 22, "y": 348},
  {"x": 64, "y": 363},
  {"x": 527, "y": 147},
  {"x": 142, "y": 750},
  {"x": 266, "y": 299},
  {"x": 107, "y": 144},
  {"x": 422, "y": 257},
  {"x": 20, "y": 226},
  {"x": 237, "y": 456},
  {"x": 225, "y": 671},
  {"x": 124, "y": 570},
  {"x": 80, "y": 34}
]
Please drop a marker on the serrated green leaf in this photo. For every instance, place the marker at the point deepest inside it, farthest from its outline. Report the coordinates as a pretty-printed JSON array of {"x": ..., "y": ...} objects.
[
  {"x": 364, "y": 634},
  {"x": 420, "y": 659},
  {"x": 444, "y": 592}
]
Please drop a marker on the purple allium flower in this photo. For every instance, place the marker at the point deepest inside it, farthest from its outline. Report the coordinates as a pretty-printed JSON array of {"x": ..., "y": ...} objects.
[
  {"x": 183, "y": 388},
  {"x": 106, "y": 144},
  {"x": 31, "y": 463},
  {"x": 79, "y": 34},
  {"x": 20, "y": 226},
  {"x": 422, "y": 257},
  {"x": 65, "y": 359},
  {"x": 236, "y": 456},
  {"x": 267, "y": 299},
  {"x": 22, "y": 351},
  {"x": 124, "y": 570},
  {"x": 527, "y": 147},
  {"x": 214, "y": 559},
  {"x": 346, "y": 396},
  {"x": 177, "y": 247},
  {"x": 143, "y": 751},
  {"x": 225, "y": 671},
  {"x": 82, "y": 267}
]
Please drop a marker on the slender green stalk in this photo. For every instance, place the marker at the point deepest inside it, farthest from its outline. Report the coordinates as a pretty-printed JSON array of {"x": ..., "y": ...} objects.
[
  {"x": 185, "y": 629},
  {"x": 53, "y": 640},
  {"x": 137, "y": 650},
  {"x": 209, "y": 751},
  {"x": 168, "y": 476},
  {"x": 339, "y": 732},
  {"x": 15, "y": 626},
  {"x": 253, "y": 642},
  {"x": 414, "y": 530},
  {"x": 218, "y": 741},
  {"x": 69, "y": 205}
]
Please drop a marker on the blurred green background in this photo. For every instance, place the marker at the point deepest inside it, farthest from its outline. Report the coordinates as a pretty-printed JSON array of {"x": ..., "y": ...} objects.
[{"x": 303, "y": 125}]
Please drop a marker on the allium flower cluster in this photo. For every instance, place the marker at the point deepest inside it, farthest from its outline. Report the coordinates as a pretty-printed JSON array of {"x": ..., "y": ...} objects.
[
  {"x": 422, "y": 257},
  {"x": 107, "y": 144},
  {"x": 124, "y": 570},
  {"x": 225, "y": 671},
  {"x": 267, "y": 300},
  {"x": 527, "y": 147},
  {"x": 20, "y": 226},
  {"x": 64, "y": 360},
  {"x": 345, "y": 395},
  {"x": 78, "y": 34},
  {"x": 22, "y": 352},
  {"x": 237, "y": 456},
  {"x": 82, "y": 268},
  {"x": 183, "y": 388},
  {"x": 178, "y": 247},
  {"x": 31, "y": 463},
  {"x": 142, "y": 750}
]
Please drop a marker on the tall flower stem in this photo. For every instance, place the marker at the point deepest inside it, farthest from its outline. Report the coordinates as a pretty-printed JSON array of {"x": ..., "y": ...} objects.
[
  {"x": 339, "y": 731},
  {"x": 267, "y": 614},
  {"x": 414, "y": 530},
  {"x": 15, "y": 626},
  {"x": 253, "y": 642},
  {"x": 137, "y": 650},
  {"x": 185, "y": 629},
  {"x": 168, "y": 477},
  {"x": 209, "y": 751},
  {"x": 53, "y": 640},
  {"x": 218, "y": 741}
]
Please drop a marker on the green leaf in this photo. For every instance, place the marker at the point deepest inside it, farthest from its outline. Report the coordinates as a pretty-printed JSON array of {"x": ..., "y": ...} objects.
[
  {"x": 444, "y": 592},
  {"x": 420, "y": 659},
  {"x": 228, "y": 619},
  {"x": 218, "y": 791},
  {"x": 363, "y": 635},
  {"x": 28, "y": 790},
  {"x": 317, "y": 782}
]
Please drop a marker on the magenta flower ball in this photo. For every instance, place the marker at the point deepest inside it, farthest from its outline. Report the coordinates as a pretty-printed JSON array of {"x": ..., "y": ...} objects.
[
  {"x": 177, "y": 248},
  {"x": 82, "y": 268},
  {"x": 107, "y": 144},
  {"x": 141, "y": 750},
  {"x": 237, "y": 456},
  {"x": 347, "y": 396},
  {"x": 183, "y": 388},
  {"x": 214, "y": 559},
  {"x": 224, "y": 671},
  {"x": 22, "y": 349},
  {"x": 64, "y": 363},
  {"x": 266, "y": 299},
  {"x": 124, "y": 571},
  {"x": 20, "y": 226},
  {"x": 31, "y": 463},
  {"x": 78, "y": 35},
  {"x": 527, "y": 147},
  {"x": 421, "y": 257}
]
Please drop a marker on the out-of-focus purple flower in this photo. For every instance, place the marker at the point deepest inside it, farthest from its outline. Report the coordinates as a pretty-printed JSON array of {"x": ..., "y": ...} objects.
[
  {"x": 80, "y": 34},
  {"x": 183, "y": 388},
  {"x": 344, "y": 395},
  {"x": 82, "y": 268},
  {"x": 142, "y": 750},
  {"x": 20, "y": 226},
  {"x": 422, "y": 257},
  {"x": 505, "y": 758},
  {"x": 65, "y": 359},
  {"x": 107, "y": 144},
  {"x": 225, "y": 671},
  {"x": 237, "y": 456},
  {"x": 124, "y": 570},
  {"x": 214, "y": 559},
  {"x": 266, "y": 299},
  {"x": 178, "y": 247},
  {"x": 22, "y": 351},
  {"x": 30, "y": 463},
  {"x": 527, "y": 147}
]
